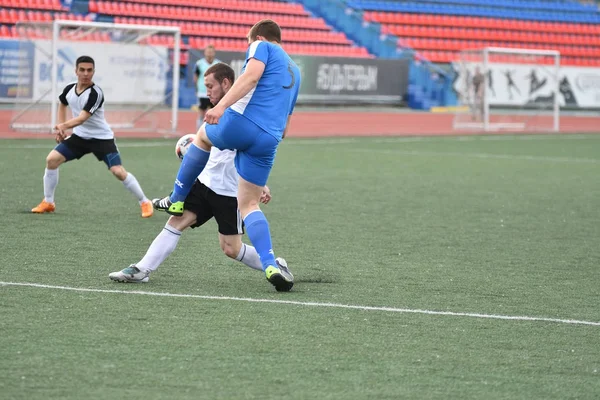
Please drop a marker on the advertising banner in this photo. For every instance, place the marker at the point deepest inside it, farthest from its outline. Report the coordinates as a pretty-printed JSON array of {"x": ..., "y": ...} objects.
[
  {"x": 335, "y": 79},
  {"x": 16, "y": 76},
  {"x": 127, "y": 73},
  {"x": 527, "y": 85}
]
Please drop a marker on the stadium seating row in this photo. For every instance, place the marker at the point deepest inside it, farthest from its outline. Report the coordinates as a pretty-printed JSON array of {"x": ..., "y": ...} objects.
[
  {"x": 292, "y": 48},
  {"x": 485, "y": 23},
  {"x": 237, "y": 31},
  {"x": 226, "y": 29},
  {"x": 548, "y": 5},
  {"x": 53, "y": 5},
  {"x": 442, "y": 36},
  {"x": 493, "y": 34},
  {"x": 202, "y": 14},
  {"x": 486, "y": 9},
  {"x": 457, "y": 45},
  {"x": 275, "y": 7},
  {"x": 11, "y": 17}
]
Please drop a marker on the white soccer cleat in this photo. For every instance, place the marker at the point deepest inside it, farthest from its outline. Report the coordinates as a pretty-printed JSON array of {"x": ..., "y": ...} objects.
[{"x": 131, "y": 274}]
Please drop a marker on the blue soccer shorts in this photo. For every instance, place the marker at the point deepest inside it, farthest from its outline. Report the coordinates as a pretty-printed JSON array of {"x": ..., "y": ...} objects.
[{"x": 256, "y": 148}]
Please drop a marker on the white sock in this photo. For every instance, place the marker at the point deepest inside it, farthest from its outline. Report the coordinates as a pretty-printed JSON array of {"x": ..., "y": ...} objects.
[
  {"x": 163, "y": 245},
  {"x": 50, "y": 182},
  {"x": 249, "y": 256},
  {"x": 134, "y": 187}
]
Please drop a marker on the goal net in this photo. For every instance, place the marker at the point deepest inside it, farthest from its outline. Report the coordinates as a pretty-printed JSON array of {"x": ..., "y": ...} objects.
[
  {"x": 508, "y": 89},
  {"x": 137, "y": 68}
]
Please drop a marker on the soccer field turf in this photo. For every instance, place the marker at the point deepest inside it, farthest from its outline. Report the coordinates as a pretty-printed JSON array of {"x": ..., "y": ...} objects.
[{"x": 437, "y": 242}]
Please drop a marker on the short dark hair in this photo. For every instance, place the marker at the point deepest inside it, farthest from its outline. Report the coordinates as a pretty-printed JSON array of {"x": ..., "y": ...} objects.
[
  {"x": 84, "y": 59},
  {"x": 221, "y": 71},
  {"x": 266, "y": 28}
]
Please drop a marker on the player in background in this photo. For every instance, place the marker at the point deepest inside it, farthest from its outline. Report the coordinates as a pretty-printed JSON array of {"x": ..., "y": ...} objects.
[
  {"x": 478, "y": 93},
  {"x": 212, "y": 195},
  {"x": 91, "y": 134},
  {"x": 252, "y": 118},
  {"x": 202, "y": 65}
]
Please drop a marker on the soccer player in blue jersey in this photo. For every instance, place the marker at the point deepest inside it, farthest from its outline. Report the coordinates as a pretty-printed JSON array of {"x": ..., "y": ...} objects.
[{"x": 252, "y": 118}]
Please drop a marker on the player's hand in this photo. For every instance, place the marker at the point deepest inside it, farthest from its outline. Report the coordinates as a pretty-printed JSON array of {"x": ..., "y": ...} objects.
[
  {"x": 60, "y": 133},
  {"x": 212, "y": 116},
  {"x": 265, "y": 197}
]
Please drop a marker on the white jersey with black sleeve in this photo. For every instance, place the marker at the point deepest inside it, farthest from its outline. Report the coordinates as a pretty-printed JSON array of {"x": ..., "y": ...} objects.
[
  {"x": 92, "y": 101},
  {"x": 220, "y": 174}
]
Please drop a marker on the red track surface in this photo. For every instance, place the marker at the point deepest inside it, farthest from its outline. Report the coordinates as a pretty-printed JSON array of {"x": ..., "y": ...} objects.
[{"x": 345, "y": 123}]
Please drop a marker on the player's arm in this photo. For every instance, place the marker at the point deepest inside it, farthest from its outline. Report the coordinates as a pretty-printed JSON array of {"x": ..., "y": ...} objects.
[
  {"x": 287, "y": 125},
  {"x": 244, "y": 84},
  {"x": 62, "y": 116},
  {"x": 289, "y": 118},
  {"x": 94, "y": 102},
  {"x": 62, "y": 113},
  {"x": 196, "y": 74},
  {"x": 63, "y": 103},
  {"x": 78, "y": 120}
]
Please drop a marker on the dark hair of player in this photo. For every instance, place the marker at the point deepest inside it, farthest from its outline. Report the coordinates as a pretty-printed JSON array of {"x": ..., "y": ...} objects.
[
  {"x": 221, "y": 71},
  {"x": 266, "y": 28},
  {"x": 84, "y": 59}
]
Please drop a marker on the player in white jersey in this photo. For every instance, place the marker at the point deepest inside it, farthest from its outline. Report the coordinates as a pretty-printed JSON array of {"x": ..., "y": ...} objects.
[
  {"x": 213, "y": 195},
  {"x": 202, "y": 65},
  {"x": 91, "y": 134}
]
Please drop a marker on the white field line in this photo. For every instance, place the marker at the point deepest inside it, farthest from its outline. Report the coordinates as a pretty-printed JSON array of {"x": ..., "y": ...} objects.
[
  {"x": 480, "y": 155},
  {"x": 346, "y": 140},
  {"x": 311, "y": 304}
]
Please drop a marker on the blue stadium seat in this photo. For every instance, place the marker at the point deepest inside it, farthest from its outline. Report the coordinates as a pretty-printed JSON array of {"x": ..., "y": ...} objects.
[{"x": 534, "y": 10}]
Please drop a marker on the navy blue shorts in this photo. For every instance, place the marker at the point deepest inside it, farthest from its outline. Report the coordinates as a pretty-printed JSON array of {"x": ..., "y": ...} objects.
[{"x": 256, "y": 148}]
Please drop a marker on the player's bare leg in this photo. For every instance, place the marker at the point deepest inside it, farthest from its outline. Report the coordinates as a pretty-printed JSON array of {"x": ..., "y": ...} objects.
[
  {"x": 131, "y": 184},
  {"x": 234, "y": 248},
  {"x": 53, "y": 161}
]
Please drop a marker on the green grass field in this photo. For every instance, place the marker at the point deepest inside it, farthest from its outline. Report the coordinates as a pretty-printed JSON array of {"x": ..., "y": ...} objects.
[{"x": 483, "y": 227}]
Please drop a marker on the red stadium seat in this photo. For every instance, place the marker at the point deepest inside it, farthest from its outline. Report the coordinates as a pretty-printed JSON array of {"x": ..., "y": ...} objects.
[
  {"x": 579, "y": 42},
  {"x": 4, "y": 31}
]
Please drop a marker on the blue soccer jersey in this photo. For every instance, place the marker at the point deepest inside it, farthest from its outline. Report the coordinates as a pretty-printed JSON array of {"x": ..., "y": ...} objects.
[{"x": 273, "y": 99}]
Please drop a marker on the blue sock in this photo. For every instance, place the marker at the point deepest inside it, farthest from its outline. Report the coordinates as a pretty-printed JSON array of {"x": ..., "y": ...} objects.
[
  {"x": 257, "y": 228},
  {"x": 192, "y": 165}
]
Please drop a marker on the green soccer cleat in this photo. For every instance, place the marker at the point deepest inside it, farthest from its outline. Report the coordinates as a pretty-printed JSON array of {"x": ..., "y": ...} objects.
[
  {"x": 165, "y": 204},
  {"x": 280, "y": 276},
  {"x": 176, "y": 209}
]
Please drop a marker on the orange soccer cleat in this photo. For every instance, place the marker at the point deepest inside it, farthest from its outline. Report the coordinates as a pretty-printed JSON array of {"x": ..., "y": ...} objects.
[
  {"x": 147, "y": 209},
  {"x": 44, "y": 207}
]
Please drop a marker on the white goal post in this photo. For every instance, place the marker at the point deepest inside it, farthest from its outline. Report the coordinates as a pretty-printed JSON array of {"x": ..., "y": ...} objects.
[
  {"x": 137, "y": 68},
  {"x": 508, "y": 89}
]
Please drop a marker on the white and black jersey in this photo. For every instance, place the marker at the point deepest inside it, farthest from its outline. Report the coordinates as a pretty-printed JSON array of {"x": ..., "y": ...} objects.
[
  {"x": 214, "y": 194},
  {"x": 220, "y": 174},
  {"x": 92, "y": 101}
]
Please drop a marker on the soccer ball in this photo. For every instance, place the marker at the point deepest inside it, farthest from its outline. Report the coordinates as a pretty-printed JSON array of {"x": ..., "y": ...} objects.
[{"x": 183, "y": 144}]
